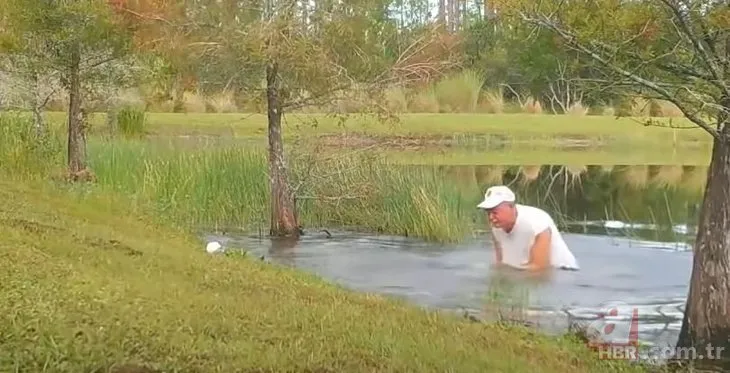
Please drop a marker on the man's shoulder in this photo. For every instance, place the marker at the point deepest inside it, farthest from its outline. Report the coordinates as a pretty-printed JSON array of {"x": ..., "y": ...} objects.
[
  {"x": 533, "y": 213},
  {"x": 531, "y": 210}
]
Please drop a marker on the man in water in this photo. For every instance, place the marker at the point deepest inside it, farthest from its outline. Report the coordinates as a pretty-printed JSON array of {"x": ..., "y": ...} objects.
[{"x": 525, "y": 237}]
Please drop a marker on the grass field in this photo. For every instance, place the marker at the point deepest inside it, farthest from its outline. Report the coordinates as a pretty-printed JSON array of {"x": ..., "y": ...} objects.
[
  {"x": 532, "y": 127},
  {"x": 451, "y": 138},
  {"x": 90, "y": 283}
]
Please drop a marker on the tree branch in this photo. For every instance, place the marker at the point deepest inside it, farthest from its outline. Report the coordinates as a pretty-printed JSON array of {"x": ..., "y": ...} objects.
[
  {"x": 663, "y": 92},
  {"x": 696, "y": 43}
]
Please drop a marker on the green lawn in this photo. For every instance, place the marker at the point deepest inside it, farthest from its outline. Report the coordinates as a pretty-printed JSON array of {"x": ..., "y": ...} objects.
[
  {"x": 89, "y": 283},
  {"x": 518, "y": 126}
]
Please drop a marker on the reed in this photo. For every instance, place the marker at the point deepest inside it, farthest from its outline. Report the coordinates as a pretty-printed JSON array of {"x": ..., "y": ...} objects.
[
  {"x": 228, "y": 187},
  {"x": 24, "y": 152},
  {"x": 459, "y": 92},
  {"x": 131, "y": 121},
  {"x": 214, "y": 186}
]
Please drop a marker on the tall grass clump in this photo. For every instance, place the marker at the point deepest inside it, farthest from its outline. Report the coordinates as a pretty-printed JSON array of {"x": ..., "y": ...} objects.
[
  {"x": 396, "y": 100},
  {"x": 423, "y": 100},
  {"x": 200, "y": 188},
  {"x": 223, "y": 102},
  {"x": 25, "y": 152},
  {"x": 131, "y": 121},
  {"x": 577, "y": 109},
  {"x": 531, "y": 106},
  {"x": 193, "y": 102},
  {"x": 362, "y": 193},
  {"x": 460, "y": 92},
  {"x": 492, "y": 101},
  {"x": 208, "y": 187}
]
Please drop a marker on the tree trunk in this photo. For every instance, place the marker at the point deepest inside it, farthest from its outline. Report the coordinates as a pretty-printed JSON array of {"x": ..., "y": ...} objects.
[
  {"x": 283, "y": 214},
  {"x": 38, "y": 104},
  {"x": 442, "y": 13},
  {"x": 305, "y": 17},
  {"x": 706, "y": 318},
  {"x": 76, "y": 138}
]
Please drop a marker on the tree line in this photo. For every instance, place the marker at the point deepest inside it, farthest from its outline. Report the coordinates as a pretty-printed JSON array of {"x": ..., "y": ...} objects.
[{"x": 211, "y": 50}]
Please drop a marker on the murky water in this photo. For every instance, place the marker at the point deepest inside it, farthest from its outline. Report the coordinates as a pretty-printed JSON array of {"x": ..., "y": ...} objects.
[{"x": 640, "y": 262}]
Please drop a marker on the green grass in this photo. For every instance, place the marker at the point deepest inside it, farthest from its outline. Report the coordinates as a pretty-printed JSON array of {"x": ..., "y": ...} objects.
[
  {"x": 90, "y": 282},
  {"x": 226, "y": 187},
  {"x": 131, "y": 121},
  {"x": 514, "y": 126}
]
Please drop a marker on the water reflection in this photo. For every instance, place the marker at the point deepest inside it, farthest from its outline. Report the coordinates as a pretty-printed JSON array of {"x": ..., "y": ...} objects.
[
  {"x": 284, "y": 250},
  {"x": 657, "y": 203}
]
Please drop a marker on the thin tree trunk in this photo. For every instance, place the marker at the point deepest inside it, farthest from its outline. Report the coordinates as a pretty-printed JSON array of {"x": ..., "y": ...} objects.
[
  {"x": 442, "y": 13},
  {"x": 178, "y": 94},
  {"x": 76, "y": 138},
  {"x": 38, "y": 104},
  {"x": 707, "y": 317},
  {"x": 283, "y": 211},
  {"x": 305, "y": 16}
]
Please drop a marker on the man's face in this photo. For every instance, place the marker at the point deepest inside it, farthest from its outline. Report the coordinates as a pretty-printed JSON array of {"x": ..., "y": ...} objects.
[{"x": 502, "y": 215}]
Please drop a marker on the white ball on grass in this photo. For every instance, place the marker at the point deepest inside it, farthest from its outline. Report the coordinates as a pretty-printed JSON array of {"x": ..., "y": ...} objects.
[{"x": 213, "y": 247}]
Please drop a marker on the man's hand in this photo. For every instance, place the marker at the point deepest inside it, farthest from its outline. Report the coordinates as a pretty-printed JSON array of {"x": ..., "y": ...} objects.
[{"x": 539, "y": 252}]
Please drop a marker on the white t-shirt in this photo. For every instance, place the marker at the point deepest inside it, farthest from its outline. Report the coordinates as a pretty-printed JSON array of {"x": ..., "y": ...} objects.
[{"x": 517, "y": 243}]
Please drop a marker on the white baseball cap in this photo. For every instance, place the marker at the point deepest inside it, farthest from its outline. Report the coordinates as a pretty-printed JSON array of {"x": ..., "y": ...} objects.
[{"x": 496, "y": 195}]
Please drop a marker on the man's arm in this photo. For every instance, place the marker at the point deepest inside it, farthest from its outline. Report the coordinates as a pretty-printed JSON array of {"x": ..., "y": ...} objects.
[
  {"x": 497, "y": 251},
  {"x": 540, "y": 251}
]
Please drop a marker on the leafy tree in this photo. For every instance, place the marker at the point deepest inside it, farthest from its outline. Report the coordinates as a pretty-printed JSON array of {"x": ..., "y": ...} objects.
[
  {"x": 75, "y": 39},
  {"x": 676, "y": 51},
  {"x": 307, "y": 55}
]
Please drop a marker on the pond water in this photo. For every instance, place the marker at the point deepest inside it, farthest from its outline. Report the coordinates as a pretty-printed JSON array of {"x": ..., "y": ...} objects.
[{"x": 631, "y": 235}]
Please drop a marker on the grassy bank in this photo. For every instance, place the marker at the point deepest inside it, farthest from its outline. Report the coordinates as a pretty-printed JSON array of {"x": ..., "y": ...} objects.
[
  {"x": 90, "y": 282},
  {"x": 532, "y": 128}
]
